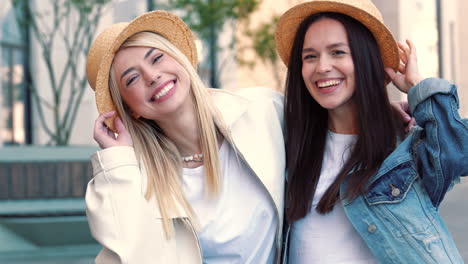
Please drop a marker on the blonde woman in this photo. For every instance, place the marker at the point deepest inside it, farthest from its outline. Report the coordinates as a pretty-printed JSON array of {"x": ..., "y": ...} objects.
[{"x": 186, "y": 174}]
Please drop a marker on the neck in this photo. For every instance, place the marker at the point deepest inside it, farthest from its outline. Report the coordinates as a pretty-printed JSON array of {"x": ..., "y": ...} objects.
[
  {"x": 343, "y": 121},
  {"x": 182, "y": 128}
]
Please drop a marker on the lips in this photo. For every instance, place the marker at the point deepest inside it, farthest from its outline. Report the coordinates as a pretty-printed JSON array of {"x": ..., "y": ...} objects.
[
  {"x": 328, "y": 86},
  {"x": 162, "y": 90},
  {"x": 322, "y": 84}
]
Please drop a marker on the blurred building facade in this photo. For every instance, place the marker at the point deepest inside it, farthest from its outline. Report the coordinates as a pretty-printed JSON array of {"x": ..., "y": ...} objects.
[{"x": 423, "y": 21}]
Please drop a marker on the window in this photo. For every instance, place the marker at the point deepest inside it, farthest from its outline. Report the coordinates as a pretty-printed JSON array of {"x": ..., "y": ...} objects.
[{"x": 14, "y": 96}]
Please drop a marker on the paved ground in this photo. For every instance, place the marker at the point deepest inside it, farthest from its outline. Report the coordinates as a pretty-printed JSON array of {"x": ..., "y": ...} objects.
[{"x": 454, "y": 210}]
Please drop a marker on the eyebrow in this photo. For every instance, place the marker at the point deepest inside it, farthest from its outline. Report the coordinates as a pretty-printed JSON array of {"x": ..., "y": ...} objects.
[
  {"x": 126, "y": 72},
  {"x": 332, "y": 46},
  {"x": 132, "y": 68},
  {"x": 149, "y": 53}
]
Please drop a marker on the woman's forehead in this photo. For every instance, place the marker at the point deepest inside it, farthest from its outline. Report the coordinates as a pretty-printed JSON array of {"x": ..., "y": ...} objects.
[{"x": 326, "y": 30}]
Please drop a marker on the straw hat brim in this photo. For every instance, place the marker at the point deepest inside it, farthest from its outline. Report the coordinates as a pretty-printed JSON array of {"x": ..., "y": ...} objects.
[
  {"x": 289, "y": 23},
  {"x": 107, "y": 44}
]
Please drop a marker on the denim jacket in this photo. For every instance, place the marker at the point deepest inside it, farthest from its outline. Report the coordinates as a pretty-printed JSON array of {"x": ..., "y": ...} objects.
[{"x": 398, "y": 216}]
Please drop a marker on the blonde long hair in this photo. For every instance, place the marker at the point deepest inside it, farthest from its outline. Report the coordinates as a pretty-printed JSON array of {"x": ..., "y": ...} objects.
[{"x": 158, "y": 153}]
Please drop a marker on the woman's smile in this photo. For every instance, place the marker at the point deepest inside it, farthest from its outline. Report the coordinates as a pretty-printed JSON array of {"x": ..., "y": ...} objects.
[
  {"x": 163, "y": 92},
  {"x": 327, "y": 86}
]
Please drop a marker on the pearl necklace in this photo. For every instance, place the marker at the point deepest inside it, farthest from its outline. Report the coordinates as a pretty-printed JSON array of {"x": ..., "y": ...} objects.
[{"x": 194, "y": 158}]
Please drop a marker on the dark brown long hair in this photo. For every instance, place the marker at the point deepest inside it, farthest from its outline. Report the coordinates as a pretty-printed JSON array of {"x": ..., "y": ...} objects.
[{"x": 307, "y": 123}]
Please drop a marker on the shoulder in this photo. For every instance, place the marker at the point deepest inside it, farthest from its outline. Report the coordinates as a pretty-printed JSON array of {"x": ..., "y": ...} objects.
[
  {"x": 259, "y": 93},
  {"x": 254, "y": 102},
  {"x": 247, "y": 95}
]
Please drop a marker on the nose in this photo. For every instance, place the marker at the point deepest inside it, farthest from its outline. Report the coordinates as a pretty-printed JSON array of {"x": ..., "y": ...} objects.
[
  {"x": 151, "y": 76},
  {"x": 324, "y": 65}
]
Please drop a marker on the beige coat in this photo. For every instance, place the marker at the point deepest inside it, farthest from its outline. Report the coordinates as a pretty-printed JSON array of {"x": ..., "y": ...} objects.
[{"x": 129, "y": 227}]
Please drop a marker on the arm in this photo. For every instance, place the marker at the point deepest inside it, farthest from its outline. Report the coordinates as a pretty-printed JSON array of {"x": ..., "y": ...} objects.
[
  {"x": 440, "y": 150},
  {"x": 120, "y": 218}
]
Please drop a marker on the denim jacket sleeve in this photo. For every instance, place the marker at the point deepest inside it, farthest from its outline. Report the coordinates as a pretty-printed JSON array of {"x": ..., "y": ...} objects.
[{"x": 441, "y": 147}]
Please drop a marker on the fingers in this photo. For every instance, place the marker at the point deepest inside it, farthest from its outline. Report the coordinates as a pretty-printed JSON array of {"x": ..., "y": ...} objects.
[
  {"x": 412, "y": 48},
  {"x": 119, "y": 127},
  {"x": 404, "y": 54},
  {"x": 124, "y": 137},
  {"x": 106, "y": 138},
  {"x": 412, "y": 70},
  {"x": 410, "y": 124},
  {"x": 391, "y": 73},
  {"x": 402, "y": 109},
  {"x": 102, "y": 134},
  {"x": 402, "y": 67},
  {"x": 110, "y": 133},
  {"x": 407, "y": 52},
  {"x": 100, "y": 124},
  {"x": 404, "y": 48},
  {"x": 405, "y": 116},
  {"x": 403, "y": 51}
]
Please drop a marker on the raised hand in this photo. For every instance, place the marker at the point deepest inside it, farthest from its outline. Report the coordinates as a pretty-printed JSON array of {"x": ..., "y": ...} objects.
[
  {"x": 106, "y": 138},
  {"x": 408, "y": 72},
  {"x": 403, "y": 110}
]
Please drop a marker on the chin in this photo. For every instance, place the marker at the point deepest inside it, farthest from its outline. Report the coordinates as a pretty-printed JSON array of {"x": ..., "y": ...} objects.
[{"x": 328, "y": 105}]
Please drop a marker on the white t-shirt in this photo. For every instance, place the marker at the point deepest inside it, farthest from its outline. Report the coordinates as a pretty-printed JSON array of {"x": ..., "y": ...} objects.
[
  {"x": 240, "y": 225},
  {"x": 329, "y": 238}
]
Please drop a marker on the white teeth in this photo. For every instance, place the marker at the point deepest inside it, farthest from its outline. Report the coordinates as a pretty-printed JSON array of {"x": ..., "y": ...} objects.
[
  {"x": 163, "y": 91},
  {"x": 328, "y": 83}
]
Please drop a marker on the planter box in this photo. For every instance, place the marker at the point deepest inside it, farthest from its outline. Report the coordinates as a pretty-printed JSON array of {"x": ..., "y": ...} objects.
[
  {"x": 44, "y": 172},
  {"x": 42, "y": 209},
  {"x": 44, "y": 179}
]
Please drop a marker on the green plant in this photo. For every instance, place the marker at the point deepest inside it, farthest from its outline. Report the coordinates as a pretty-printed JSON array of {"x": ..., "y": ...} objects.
[
  {"x": 70, "y": 24},
  {"x": 263, "y": 43},
  {"x": 208, "y": 17}
]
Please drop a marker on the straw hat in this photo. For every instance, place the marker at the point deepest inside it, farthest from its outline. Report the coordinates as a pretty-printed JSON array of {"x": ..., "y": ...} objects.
[
  {"x": 362, "y": 10},
  {"x": 104, "y": 48}
]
